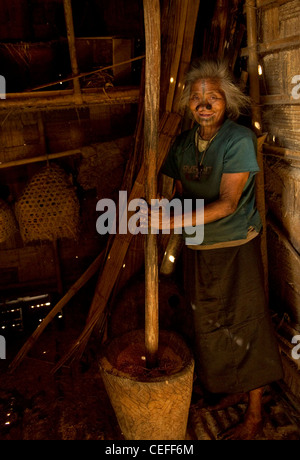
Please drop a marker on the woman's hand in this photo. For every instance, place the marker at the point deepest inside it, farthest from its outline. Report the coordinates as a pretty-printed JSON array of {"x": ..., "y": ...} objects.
[{"x": 158, "y": 217}]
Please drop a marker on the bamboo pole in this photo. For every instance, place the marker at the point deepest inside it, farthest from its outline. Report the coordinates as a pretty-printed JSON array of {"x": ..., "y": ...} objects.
[
  {"x": 169, "y": 128},
  {"x": 253, "y": 65},
  {"x": 257, "y": 125},
  {"x": 63, "y": 99},
  {"x": 40, "y": 158},
  {"x": 72, "y": 48},
  {"x": 86, "y": 74},
  {"x": 92, "y": 269},
  {"x": 151, "y": 122}
]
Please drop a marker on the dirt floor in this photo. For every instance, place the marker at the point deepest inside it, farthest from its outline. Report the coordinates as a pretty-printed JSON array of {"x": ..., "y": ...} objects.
[{"x": 72, "y": 404}]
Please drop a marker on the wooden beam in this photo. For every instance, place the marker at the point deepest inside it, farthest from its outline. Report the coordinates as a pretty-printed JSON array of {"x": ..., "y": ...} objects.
[
  {"x": 281, "y": 152},
  {"x": 275, "y": 45},
  {"x": 279, "y": 99},
  {"x": 62, "y": 99},
  {"x": 268, "y": 3}
]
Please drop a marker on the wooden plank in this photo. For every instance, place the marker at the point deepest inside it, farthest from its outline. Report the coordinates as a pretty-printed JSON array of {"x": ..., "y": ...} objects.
[
  {"x": 279, "y": 99},
  {"x": 270, "y": 3},
  {"x": 281, "y": 152},
  {"x": 281, "y": 43},
  {"x": 289, "y": 14},
  {"x": 270, "y": 27},
  {"x": 276, "y": 45}
]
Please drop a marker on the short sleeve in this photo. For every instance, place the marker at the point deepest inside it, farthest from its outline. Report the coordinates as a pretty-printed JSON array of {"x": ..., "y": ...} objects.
[
  {"x": 240, "y": 155},
  {"x": 170, "y": 167}
]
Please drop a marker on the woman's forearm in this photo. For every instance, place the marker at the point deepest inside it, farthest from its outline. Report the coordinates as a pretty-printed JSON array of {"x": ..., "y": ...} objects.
[{"x": 212, "y": 212}]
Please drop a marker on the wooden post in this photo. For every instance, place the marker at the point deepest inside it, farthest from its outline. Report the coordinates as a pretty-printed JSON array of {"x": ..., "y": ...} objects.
[
  {"x": 72, "y": 47},
  {"x": 253, "y": 65},
  {"x": 257, "y": 125},
  {"x": 151, "y": 123}
]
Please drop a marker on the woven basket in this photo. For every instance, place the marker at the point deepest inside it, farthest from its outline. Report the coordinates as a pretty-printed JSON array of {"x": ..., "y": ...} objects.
[
  {"x": 49, "y": 207},
  {"x": 103, "y": 166},
  {"x": 8, "y": 224}
]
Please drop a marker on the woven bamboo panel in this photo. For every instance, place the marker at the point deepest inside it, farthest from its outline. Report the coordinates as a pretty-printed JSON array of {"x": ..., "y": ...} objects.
[
  {"x": 282, "y": 124},
  {"x": 282, "y": 186},
  {"x": 48, "y": 208},
  {"x": 8, "y": 224},
  {"x": 279, "y": 57},
  {"x": 279, "y": 69}
]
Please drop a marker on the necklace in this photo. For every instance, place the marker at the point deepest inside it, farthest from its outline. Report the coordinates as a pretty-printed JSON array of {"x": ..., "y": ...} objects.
[{"x": 201, "y": 146}]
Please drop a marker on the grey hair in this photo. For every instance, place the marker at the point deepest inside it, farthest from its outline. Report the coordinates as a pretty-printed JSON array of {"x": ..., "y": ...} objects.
[{"x": 218, "y": 71}]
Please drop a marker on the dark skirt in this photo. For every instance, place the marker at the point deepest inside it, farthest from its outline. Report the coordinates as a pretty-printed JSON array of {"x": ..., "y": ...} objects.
[{"x": 235, "y": 345}]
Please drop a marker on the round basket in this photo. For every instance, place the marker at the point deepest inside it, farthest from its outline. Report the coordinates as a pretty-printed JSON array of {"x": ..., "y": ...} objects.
[
  {"x": 49, "y": 207},
  {"x": 8, "y": 224}
]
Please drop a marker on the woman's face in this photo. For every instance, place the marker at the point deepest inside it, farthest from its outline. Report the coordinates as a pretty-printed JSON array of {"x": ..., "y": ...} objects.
[{"x": 207, "y": 103}]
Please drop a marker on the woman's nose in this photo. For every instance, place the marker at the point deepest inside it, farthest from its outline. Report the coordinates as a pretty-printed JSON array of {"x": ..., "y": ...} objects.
[{"x": 207, "y": 105}]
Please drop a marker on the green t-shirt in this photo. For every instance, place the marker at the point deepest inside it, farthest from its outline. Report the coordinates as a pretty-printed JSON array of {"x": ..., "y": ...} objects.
[{"x": 233, "y": 150}]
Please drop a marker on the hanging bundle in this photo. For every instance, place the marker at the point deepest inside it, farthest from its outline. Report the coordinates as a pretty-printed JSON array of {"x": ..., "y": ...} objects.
[
  {"x": 49, "y": 207},
  {"x": 8, "y": 224}
]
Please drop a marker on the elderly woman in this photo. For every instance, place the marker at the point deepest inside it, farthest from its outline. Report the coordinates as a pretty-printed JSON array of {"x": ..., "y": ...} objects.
[{"x": 235, "y": 347}]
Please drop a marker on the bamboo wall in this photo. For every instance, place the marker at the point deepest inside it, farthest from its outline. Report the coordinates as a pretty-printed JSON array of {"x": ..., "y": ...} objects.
[
  {"x": 69, "y": 127},
  {"x": 85, "y": 132},
  {"x": 279, "y": 57}
]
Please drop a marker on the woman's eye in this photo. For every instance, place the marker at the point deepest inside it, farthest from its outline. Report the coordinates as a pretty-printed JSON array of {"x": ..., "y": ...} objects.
[{"x": 194, "y": 98}]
